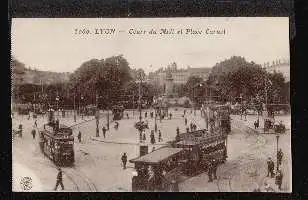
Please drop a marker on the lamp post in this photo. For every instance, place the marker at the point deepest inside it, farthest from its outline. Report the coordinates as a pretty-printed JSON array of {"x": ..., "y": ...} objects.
[
  {"x": 277, "y": 139},
  {"x": 74, "y": 107},
  {"x": 57, "y": 100},
  {"x": 82, "y": 106}
]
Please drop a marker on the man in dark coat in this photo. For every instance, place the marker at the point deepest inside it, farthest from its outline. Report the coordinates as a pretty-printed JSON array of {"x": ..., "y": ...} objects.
[
  {"x": 59, "y": 180},
  {"x": 124, "y": 160},
  {"x": 187, "y": 130},
  {"x": 33, "y": 132},
  {"x": 270, "y": 167},
  {"x": 215, "y": 165},
  {"x": 79, "y": 136},
  {"x": 177, "y": 130},
  {"x": 279, "y": 178},
  {"x": 279, "y": 157},
  {"x": 152, "y": 137},
  {"x": 210, "y": 171},
  {"x": 159, "y": 136},
  {"x": 35, "y": 123},
  {"x": 144, "y": 138},
  {"x": 104, "y": 131}
]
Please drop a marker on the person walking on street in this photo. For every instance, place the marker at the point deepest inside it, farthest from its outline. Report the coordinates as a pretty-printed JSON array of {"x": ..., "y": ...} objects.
[
  {"x": 215, "y": 165},
  {"x": 79, "y": 136},
  {"x": 127, "y": 116},
  {"x": 104, "y": 131},
  {"x": 177, "y": 137},
  {"x": 187, "y": 130},
  {"x": 270, "y": 167},
  {"x": 184, "y": 111},
  {"x": 177, "y": 130},
  {"x": 33, "y": 132},
  {"x": 124, "y": 160},
  {"x": 185, "y": 121},
  {"x": 210, "y": 171},
  {"x": 152, "y": 137},
  {"x": 170, "y": 115},
  {"x": 159, "y": 136},
  {"x": 279, "y": 157},
  {"x": 144, "y": 138},
  {"x": 35, "y": 123},
  {"x": 20, "y": 130},
  {"x": 145, "y": 114},
  {"x": 59, "y": 180},
  {"x": 279, "y": 178}
]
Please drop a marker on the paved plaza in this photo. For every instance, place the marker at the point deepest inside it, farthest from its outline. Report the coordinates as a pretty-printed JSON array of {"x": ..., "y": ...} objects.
[{"x": 99, "y": 158}]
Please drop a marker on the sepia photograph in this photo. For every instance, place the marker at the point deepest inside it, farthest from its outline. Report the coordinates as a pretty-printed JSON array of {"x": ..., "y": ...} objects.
[{"x": 195, "y": 104}]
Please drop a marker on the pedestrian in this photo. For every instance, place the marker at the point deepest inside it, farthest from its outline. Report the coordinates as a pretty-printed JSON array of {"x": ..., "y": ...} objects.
[
  {"x": 170, "y": 115},
  {"x": 124, "y": 160},
  {"x": 144, "y": 138},
  {"x": 187, "y": 129},
  {"x": 270, "y": 167},
  {"x": 255, "y": 124},
  {"x": 258, "y": 123},
  {"x": 145, "y": 114},
  {"x": 184, "y": 111},
  {"x": 191, "y": 126},
  {"x": 35, "y": 123},
  {"x": 152, "y": 137},
  {"x": 279, "y": 178},
  {"x": 279, "y": 157},
  {"x": 33, "y": 132},
  {"x": 127, "y": 116},
  {"x": 210, "y": 171},
  {"x": 159, "y": 136},
  {"x": 59, "y": 180},
  {"x": 177, "y": 130},
  {"x": 177, "y": 137},
  {"x": 20, "y": 130},
  {"x": 104, "y": 131},
  {"x": 185, "y": 121},
  {"x": 215, "y": 165},
  {"x": 79, "y": 136}
]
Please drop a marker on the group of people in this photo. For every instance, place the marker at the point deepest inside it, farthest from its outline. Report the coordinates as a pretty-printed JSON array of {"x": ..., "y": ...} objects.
[
  {"x": 271, "y": 168},
  {"x": 152, "y": 137}
]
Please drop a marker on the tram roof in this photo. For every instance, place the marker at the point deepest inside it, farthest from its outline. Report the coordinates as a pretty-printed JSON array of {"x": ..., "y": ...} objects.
[{"x": 158, "y": 156}]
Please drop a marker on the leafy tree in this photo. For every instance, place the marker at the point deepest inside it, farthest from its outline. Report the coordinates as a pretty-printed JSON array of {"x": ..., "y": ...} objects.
[{"x": 191, "y": 85}]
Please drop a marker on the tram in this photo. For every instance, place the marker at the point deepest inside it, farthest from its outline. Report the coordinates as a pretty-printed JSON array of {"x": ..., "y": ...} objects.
[
  {"x": 182, "y": 158},
  {"x": 57, "y": 141}
]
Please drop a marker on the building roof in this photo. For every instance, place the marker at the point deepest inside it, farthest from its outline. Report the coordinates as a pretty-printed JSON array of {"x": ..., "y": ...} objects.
[
  {"x": 158, "y": 156},
  {"x": 199, "y": 70}
]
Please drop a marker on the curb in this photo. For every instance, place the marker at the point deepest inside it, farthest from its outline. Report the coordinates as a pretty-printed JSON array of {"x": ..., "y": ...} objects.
[{"x": 114, "y": 142}]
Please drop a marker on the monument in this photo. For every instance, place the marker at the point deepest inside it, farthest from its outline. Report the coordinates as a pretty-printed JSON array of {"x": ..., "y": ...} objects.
[{"x": 169, "y": 85}]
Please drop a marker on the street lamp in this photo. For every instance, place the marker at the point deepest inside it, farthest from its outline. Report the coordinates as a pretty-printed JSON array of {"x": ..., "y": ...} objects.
[
  {"x": 82, "y": 106},
  {"x": 57, "y": 100},
  {"x": 74, "y": 107},
  {"x": 277, "y": 139}
]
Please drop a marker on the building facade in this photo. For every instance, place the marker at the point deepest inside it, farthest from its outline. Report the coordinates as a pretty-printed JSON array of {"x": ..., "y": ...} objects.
[
  {"x": 180, "y": 76},
  {"x": 282, "y": 66}
]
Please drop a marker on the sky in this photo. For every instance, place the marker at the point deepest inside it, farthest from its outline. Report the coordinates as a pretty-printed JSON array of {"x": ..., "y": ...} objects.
[{"x": 52, "y": 43}]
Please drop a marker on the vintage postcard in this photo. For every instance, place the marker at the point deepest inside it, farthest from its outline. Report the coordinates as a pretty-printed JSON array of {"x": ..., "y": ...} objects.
[{"x": 151, "y": 104}]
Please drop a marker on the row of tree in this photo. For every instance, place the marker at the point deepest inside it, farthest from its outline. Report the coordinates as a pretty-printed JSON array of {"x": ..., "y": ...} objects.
[
  {"x": 236, "y": 78},
  {"x": 104, "y": 82}
]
